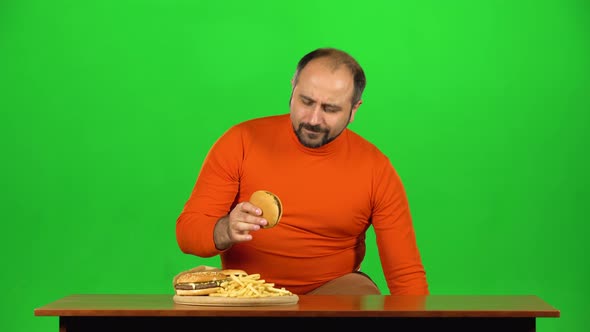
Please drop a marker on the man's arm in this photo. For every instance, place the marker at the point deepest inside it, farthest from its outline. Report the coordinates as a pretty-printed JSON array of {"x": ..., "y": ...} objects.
[
  {"x": 212, "y": 221},
  {"x": 221, "y": 235},
  {"x": 396, "y": 240},
  {"x": 212, "y": 197}
]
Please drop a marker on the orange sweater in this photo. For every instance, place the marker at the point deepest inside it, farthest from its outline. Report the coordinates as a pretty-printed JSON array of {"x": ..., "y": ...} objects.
[{"x": 330, "y": 196}]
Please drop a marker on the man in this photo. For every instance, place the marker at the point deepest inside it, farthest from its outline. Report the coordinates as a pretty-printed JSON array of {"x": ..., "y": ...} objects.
[{"x": 332, "y": 183}]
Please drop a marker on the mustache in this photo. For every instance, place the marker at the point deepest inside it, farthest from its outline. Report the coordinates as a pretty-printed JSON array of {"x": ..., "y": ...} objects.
[{"x": 316, "y": 128}]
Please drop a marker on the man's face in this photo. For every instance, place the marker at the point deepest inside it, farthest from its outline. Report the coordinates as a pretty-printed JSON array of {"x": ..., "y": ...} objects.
[{"x": 321, "y": 103}]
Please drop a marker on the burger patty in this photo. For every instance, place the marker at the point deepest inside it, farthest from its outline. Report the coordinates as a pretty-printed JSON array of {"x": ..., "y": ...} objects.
[
  {"x": 199, "y": 285},
  {"x": 278, "y": 203}
]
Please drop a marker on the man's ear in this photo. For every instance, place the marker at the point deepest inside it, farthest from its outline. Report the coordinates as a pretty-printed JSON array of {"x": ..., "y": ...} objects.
[
  {"x": 354, "y": 109},
  {"x": 292, "y": 89}
]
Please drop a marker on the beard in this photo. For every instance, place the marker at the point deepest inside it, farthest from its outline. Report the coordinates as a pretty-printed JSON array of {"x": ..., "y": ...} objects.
[{"x": 319, "y": 136}]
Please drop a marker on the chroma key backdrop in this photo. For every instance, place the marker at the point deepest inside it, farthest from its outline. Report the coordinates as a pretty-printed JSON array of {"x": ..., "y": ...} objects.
[{"x": 109, "y": 107}]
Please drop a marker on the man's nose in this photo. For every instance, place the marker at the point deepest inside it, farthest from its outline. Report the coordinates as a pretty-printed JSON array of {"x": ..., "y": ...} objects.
[{"x": 315, "y": 116}]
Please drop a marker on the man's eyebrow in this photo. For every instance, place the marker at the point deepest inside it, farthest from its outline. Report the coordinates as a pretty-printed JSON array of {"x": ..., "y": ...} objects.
[
  {"x": 323, "y": 105},
  {"x": 331, "y": 105}
]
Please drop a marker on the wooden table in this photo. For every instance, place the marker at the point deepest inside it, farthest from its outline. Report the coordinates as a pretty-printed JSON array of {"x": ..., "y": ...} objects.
[{"x": 96, "y": 312}]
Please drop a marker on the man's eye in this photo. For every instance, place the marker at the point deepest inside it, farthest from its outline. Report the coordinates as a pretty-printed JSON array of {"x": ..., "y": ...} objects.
[
  {"x": 307, "y": 102},
  {"x": 330, "y": 109}
]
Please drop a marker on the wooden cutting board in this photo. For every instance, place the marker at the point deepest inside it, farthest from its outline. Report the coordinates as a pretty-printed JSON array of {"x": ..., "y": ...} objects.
[{"x": 235, "y": 301}]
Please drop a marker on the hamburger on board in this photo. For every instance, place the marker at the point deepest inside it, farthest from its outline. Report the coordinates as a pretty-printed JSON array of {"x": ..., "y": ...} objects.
[{"x": 202, "y": 282}]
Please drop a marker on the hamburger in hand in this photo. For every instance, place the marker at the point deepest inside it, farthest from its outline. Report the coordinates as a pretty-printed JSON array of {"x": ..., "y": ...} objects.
[
  {"x": 202, "y": 282},
  {"x": 270, "y": 204}
]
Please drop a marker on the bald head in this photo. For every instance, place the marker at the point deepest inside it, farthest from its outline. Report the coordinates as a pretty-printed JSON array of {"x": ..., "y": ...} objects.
[{"x": 335, "y": 59}]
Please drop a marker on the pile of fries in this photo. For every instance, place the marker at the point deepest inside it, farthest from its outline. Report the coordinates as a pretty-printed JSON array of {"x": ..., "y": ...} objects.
[{"x": 249, "y": 286}]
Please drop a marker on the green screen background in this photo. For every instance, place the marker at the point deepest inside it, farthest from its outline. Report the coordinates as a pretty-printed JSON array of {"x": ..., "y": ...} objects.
[{"x": 109, "y": 107}]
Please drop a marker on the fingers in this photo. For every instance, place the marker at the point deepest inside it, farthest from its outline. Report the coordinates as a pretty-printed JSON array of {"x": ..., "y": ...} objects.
[
  {"x": 243, "y": 219},
  {"x": 249, "y": 208}
]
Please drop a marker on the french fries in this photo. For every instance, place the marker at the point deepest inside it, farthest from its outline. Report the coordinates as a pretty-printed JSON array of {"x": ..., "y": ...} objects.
[{"x": 249, "y": 286}]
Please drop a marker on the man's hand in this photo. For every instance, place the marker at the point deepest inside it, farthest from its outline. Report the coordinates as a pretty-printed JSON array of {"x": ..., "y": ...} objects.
[{"x": 237, "y": 225}]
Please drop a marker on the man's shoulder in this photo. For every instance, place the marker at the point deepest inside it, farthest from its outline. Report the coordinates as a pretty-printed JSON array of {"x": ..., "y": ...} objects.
[
  {"x": 263, "y": 122},
  {"x": 369, "y": 154},
  {"x": 363, "y": 144},
  {"x": 251, "y": 132},
  {"x": 255, "y": 129}
]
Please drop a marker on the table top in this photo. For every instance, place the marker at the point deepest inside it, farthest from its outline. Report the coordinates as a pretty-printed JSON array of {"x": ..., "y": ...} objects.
[{"x": 162, "y": 305}]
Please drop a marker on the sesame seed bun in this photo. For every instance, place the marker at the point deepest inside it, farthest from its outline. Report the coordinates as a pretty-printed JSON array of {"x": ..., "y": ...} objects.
[
  {"x": 202, "y": 276},
  {"x": 235, "y": 272}
]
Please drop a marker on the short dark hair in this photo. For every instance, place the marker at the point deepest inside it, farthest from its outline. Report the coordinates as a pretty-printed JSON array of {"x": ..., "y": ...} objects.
[{"x": 338, "y": 57}]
